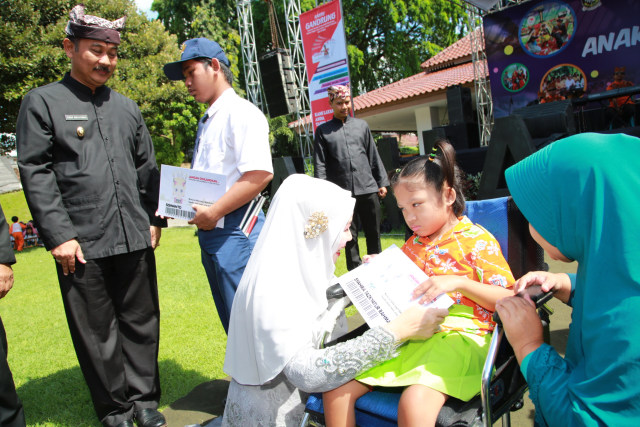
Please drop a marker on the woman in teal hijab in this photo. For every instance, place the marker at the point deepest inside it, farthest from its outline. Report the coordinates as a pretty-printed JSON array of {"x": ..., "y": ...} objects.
[{"x": 581, "y": 196}]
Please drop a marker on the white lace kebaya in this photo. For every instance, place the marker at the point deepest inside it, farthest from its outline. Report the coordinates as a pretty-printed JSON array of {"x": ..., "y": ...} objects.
[{"x": 280, "y": 313}]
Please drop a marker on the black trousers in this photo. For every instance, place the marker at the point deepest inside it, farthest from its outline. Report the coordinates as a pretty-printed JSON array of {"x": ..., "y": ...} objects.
[
  {"x": 366, "y": 214},
  {"x": 113, "y": 315},
  {"x": 11, "y": 413}
]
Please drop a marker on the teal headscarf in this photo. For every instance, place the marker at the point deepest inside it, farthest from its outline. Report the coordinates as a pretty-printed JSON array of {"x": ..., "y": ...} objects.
[{"x": 582, "y": 194}]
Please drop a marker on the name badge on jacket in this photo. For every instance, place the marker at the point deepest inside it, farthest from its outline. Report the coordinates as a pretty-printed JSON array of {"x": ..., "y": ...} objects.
[{"x": 77, "y": 117}]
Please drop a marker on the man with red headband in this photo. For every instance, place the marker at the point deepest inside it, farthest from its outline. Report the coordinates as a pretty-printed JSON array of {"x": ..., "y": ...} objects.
[
  {"x": 346, "y": 154},
  {"x": 90, "y": 177}
]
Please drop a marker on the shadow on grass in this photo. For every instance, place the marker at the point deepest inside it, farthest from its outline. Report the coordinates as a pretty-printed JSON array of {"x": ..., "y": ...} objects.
[
  {"x": 208, "y": 397},
  {"x": 59, "y": 399},
  {"x": 62, "y": 399}
]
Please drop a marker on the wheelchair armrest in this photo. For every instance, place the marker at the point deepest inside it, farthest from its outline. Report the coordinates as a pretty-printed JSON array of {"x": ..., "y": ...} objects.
[
  {"x": 537, "y": 296},
  {"x": 335, "y": 292},
  {"x": 487, "y": 397}
]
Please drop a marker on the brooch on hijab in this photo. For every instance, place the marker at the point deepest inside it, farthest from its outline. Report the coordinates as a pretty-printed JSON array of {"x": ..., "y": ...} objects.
[{"x": 316, "y": 225}]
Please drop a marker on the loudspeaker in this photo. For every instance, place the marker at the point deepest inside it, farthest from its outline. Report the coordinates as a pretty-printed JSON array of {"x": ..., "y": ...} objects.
[
  {"x": 459, "y": 105},
  {"x": 278, "y": 83},
  {"x": 389, "y": 152},
  {"x": 549, "y": 121},
  {"x": 429, "y": 137},
  {"x": 461, "y": 135},
  {"x": 510, "y": 143},
  {"x": 466, "y": 141},
  {"x": 471, "y": 161},
  {"x": 282, "y": 168}
]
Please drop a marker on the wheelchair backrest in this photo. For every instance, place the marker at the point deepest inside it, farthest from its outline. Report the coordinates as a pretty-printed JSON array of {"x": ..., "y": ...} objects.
[{"x": 502, "y": 218}]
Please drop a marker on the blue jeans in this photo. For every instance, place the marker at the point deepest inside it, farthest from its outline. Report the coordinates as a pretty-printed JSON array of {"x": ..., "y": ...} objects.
[{"x": 225, "y": 252}]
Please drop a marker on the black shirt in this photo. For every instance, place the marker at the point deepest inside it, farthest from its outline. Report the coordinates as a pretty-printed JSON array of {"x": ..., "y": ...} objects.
[
  {"x": 346, "y": 154},
  {"x": 88, "y": 168}
]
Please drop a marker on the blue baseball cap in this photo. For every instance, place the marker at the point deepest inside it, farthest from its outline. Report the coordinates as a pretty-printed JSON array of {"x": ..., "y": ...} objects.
[{"x": 193, "y": 49}]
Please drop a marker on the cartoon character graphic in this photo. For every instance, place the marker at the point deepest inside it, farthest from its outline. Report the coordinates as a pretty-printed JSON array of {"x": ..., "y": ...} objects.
[
  {"x": 179, "y": 185},
  {"x": 547, "y": 28},
  {"x": 590, "y": 4}
]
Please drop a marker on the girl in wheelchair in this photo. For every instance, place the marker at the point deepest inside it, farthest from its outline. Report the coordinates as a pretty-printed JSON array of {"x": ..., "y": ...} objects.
[
  {"x": 280, "y": 316},
  {"x": 463, "y": 260}
]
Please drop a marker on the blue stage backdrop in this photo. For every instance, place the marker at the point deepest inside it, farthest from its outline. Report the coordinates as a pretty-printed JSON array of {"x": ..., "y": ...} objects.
[{"x": 542, "y": 51}]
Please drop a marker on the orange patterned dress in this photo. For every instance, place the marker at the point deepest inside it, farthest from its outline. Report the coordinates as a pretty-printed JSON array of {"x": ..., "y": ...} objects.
[
  {"x": 467, "y": 250},
  {"x": 451, "y": 361}
]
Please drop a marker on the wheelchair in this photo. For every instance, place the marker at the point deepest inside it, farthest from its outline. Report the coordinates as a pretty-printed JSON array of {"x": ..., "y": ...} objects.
[{"x": 503, "y": 386}]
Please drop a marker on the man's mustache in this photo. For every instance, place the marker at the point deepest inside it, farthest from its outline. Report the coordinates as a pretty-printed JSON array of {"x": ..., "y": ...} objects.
[{"x": 102, "y": 68}]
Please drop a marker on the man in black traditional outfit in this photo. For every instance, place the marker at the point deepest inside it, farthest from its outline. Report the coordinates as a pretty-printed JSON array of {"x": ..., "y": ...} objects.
[{"x": 90, "y": 177}]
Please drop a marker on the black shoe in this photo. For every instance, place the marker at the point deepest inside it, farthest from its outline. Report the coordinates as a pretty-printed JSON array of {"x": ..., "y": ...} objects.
[
  {"x": 150, "y": 418},
  {"x": 126, "y": 423}
]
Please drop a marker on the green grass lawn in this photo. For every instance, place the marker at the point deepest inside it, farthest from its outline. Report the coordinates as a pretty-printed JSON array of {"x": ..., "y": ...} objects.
[
  {"x": 41, "y": 356},
  {"x": 15, "y": 204}
]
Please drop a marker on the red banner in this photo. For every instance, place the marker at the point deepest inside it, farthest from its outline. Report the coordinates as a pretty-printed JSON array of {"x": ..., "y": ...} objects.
[{"x": 325, "y": 55}]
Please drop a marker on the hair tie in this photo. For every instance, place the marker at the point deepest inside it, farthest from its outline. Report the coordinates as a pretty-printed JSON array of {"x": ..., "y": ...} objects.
[
  {"x": 398, "y": 170},
  {"x": 432, "y": 156}
]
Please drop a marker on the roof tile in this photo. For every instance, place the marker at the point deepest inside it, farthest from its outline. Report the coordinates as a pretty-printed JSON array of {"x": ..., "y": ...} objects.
[
  {"x": 440, "y": 72},
  {"x": 416, "y": 85},
  {"x": 458, "y": 50}
]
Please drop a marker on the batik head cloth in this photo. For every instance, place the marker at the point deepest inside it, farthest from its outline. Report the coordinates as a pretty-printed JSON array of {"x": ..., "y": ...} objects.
[
  {"x": 338, "y": 91},
  {"x": 83, "y": 26}
]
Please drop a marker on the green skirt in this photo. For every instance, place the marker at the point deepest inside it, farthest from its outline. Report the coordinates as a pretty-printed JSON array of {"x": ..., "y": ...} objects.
[{"x": 450, "y": 362}]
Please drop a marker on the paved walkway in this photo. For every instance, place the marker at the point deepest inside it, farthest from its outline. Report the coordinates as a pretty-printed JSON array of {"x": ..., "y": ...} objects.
[
  {"x": 202, "y": 404},
  {"x": 206, "y": 401}
]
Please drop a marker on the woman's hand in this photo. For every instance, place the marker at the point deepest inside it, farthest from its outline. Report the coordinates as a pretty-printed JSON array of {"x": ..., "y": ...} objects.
[
  {"x": 558, "y": 283},
  {"x": 521, "y": 324},
  {"x": 434, "y": 286},
  {"x": 417, "y": 321},
  {"x": 368, "y": 258}
]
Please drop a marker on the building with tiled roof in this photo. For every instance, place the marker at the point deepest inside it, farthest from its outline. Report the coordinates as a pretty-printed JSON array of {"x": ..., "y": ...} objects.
[
  {"x": 419, "y": 102},
  {"x": 456, "y": 54}
]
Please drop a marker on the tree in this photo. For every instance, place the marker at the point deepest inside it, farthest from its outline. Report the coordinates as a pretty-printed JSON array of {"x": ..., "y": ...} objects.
[
  {"x": 282, "y": 140},
  {"x": 213, "y": 19},
  {"x": 216, "y": 20},
  {"x": 182, "y": 17},
  {"x": 32, "y": 55},
  {"x": 389, "y": 39},
  {"x": 262, "y": 30},
  {"x": 176, "y": 15},
  {"x": 7, "y": 143}
]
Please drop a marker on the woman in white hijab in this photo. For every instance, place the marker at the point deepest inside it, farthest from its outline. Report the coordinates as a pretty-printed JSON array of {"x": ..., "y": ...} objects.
[{"x": 281, "y": 316}]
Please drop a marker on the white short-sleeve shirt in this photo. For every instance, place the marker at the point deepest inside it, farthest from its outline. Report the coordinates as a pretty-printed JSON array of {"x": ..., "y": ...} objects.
[{"x": 235, "y": 139}]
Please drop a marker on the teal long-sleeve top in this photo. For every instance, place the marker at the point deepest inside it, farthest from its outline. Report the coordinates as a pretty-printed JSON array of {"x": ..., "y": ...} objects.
[{"x": 581, "y": 195}]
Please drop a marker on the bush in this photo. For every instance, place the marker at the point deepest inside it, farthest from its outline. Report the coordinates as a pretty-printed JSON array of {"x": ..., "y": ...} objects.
[
  {"x": 414, "y": 151},
  {"x": 471, "y": 185}
]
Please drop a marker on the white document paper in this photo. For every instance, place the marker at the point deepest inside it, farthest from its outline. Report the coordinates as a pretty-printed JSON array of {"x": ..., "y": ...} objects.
[
  {"x": 180, "y": 188},
  {"x": 381, "y": 289}
]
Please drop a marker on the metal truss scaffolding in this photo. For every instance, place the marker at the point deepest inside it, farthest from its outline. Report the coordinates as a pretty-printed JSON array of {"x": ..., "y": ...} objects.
[
  {"x": 249, "y": 54},
  {"x": 252, "y": 69},
  {"x": 303, "y": 110},
  {"x": 484, "y": 105}
]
